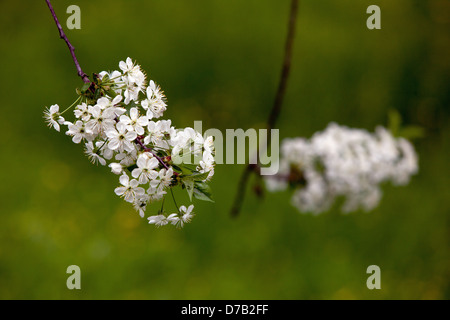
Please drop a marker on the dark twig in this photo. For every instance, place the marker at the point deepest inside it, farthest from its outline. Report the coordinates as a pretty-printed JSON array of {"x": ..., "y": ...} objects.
[
  {"x": 146, "y": 149},
  {"x": 274, "y": 114},
  {"x": 63, "y": 36},
  {"x": 285, "y": 71}
]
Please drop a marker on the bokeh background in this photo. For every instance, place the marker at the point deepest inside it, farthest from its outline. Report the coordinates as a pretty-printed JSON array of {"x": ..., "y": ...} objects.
[{"x": 219, "y": 62}]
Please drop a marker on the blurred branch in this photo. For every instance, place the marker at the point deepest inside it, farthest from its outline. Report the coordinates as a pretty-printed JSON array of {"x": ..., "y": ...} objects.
[
  {"x": 63, "y": 36},
  {"x": 276, "y": 109},
  {"x": 285, "y": 71}
]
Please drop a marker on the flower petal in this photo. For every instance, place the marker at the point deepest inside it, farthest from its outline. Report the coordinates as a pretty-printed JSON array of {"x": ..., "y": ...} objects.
[
  {"x": 136, "y": 172},
  {"x": 124, "y": 180},
  {"x": 134, "y": 113},
  {"x": 114, "y": 144},
  {"x": 134, "y": 183},
  {"x": 120, "y": 191},
  {"x": 131, "y": 136}
]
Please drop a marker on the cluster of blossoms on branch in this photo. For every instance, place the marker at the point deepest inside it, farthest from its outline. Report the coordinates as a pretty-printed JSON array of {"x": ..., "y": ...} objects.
[
  {"x": 342, "y": 162},
  {"x": 117, "y": 120}
]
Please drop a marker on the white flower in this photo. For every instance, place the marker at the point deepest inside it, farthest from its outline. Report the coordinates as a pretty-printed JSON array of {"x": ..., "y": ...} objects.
[
  {"x": 187, "y": 215},
  {"x": 105, "y": 152},
  {"x": 159, "y": 220},
  {"x": 127, "y": 158},
  {"x": 165, "y": 178},
  {"x": 82, "y": 111},
  {"x": 315, "y": 198},
  {"x": 134, "y": 122},
  {"x": 53, "y": 117},
  {"x": 129, "y": 189},
  {"x": 134, "y": 79},
  {"x": 117, "y": 132},
  {"x": 408, "y": 163},
  {"x": 173, "y": 219},
  {"x": 93, "y": 154},
  {"x": 116, "y": 168},
  {"x": 105, "y": 103},
  {"x": 206, "y": 167},
  {"x": 131, "y": 93},
  {"x": 154, "y": 193},
  {"x": 144, "y": 172},
  {"x": 111, "y": 108},
  {"x": 209, "y": 145},
  {"x": 188, "y": 141},
  {"x": 78, "y": 131},
  {"x": 155, "y": 134},
  {"x": 155, "y": 103},
  {"x": 99, "y": 123},
  {"x": 114, "y": 78},
  {"x": 154, "y": 91},
  {"x": 343, "y": 162},
  {"x": 121, "y": 139},
  {"x": 140, "y": 204},
  {"x": 133, "y": 71}
]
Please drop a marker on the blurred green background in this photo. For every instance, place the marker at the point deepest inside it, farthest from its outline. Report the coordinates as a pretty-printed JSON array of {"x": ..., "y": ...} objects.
[{"x": 219, "y": 62}]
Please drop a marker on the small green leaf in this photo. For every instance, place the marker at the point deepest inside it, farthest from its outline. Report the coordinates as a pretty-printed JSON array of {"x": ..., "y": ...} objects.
[
  {"x": 395, "y": 121},
  {"x": 105, "y": 78},
  {"x": 201, "y": 196},
  {"x": 85, "y": 87},
  {"x": 196, "y": 176},
  {"x": 202, "y": 191},
  {"x": 185, "y": 172},
  {"x": 176, "y": 168},
  {"x": 188, "y": 167},
  {"x": 412, "y": 132},
  {"x": 111, "y": 93},
  {"x": 189, "y": 188},
  {"x": 203, "y": 186}
]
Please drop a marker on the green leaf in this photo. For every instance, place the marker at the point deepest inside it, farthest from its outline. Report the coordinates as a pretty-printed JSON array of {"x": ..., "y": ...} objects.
[
  {"x": 85, "y": 87},
  {"x": 111, "y": 93},
  {"x": 395, "y": 121},
  {"x": 188, "y": 168},
  {"x": 204, "y": 186},
  {"x": 202, "y": 191},
  {"x": 189, "y": 188},
  {"x": 185, "y": 172},
  {"x": 105, "y": 78},
  {"x": 196, "y": 176},
  {"x": 412, "y": 132},
  {"x": 177, "y": 169}
]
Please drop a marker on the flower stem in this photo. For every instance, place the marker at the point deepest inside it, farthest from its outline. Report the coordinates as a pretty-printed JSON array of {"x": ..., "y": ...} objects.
[
  {"x": 76, "y": 102},
  {"x": 174, "y": 201},
  {"x": 162, "y": 205},
  {"x": 101, "y": 147}
]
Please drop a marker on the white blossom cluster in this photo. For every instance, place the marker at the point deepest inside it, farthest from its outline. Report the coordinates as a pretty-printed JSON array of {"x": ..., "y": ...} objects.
[
  {"x": 342, "y": 162},
  {"x": 117, "y": 119}
]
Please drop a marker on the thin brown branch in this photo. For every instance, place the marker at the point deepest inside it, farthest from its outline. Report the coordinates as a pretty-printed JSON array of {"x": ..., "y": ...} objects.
[
  {"x": 141, "y": 144},
  {"x": 63, "y": 36},
  {"x": 285, "y": 71},
  {"x": 276, "y": 109}
]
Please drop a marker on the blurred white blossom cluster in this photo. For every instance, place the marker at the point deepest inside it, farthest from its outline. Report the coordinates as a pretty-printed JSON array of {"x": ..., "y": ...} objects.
[
  {"x": 342, "y": 162},
  {"x": 117, "y": 119}
]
